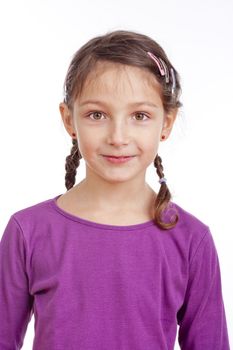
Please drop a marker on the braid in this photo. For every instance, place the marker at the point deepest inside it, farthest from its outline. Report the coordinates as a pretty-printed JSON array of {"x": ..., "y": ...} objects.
[
  {"x": 163, "y": 197},
  {"x": 72, "y": 162}
]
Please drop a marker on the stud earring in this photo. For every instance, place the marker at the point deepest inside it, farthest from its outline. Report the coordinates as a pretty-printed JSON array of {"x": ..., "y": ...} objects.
[
  {"x": 73, "y": 134},
  {"x": 163, "y": 137}
]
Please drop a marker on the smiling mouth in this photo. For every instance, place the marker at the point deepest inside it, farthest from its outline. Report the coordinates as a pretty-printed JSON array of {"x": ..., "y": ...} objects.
[{"x": 110, "y": 156}]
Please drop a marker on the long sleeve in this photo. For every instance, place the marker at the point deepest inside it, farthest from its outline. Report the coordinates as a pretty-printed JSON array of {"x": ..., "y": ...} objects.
[
  {"x": 202, "y": 318},
  {"x": 16, "y": 304}
]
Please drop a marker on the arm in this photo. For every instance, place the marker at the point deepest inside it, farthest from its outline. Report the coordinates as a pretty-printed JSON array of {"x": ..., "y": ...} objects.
[
  {"x": 15, "y": 301},
  {"x": 202, "y": 317}
]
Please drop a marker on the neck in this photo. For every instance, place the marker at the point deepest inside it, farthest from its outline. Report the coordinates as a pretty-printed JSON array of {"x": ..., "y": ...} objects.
[{"x": 105, "y": 196}]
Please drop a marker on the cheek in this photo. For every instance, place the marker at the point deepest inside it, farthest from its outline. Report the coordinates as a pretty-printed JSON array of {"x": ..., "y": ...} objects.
[
  {"x": 149, "y": 140},
  {"x": 150, "y": 146},
  {"x": 87, "y": 144}
]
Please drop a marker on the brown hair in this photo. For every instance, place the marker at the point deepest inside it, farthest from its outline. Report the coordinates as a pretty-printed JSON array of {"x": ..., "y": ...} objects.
[{"x": 128, "y": 48}]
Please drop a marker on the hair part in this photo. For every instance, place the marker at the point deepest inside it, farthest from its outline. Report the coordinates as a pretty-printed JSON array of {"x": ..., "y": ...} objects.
[{"x": 127, "y": 48}]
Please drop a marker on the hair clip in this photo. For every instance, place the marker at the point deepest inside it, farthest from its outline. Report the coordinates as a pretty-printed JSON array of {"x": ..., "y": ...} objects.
[
  {"x": 161, "y": 65},
  {"x": 173, "y": 80},
  {"x": 161, "y": 69},
  {"x": 65, "y": 94},
  {"x": 164, "y": 70}
]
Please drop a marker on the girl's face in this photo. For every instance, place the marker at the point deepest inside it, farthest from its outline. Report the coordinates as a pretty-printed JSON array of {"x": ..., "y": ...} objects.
[{"x": 119, "y": 113}]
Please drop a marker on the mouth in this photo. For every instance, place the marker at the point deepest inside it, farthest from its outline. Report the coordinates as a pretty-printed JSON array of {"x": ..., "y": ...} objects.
[{"x": 117, "y": 157}]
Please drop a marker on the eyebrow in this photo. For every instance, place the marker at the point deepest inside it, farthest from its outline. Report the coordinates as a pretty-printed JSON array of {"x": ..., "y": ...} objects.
[{"x": 101, "y": 103}]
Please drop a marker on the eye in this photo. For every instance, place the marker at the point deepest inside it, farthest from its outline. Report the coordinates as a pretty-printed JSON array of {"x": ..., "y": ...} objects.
[
  {"x": 95, "y": 113},
  {"x": 142, "y": 114}
]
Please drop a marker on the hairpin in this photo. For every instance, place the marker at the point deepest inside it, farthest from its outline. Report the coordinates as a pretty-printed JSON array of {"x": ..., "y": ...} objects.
[
  {"x": 164, "y": 70},
  {"x": 173, "y": 80},
  {"x": 161, "y": 65}
]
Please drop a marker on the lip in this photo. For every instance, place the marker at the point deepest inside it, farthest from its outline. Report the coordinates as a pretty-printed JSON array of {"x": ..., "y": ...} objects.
[
  {"x": 110, "y": 155},
  {"x": 117, "y": 160}
]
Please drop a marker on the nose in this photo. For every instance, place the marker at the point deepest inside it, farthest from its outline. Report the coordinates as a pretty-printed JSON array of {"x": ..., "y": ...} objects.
[{"x": 118, "y": 133}]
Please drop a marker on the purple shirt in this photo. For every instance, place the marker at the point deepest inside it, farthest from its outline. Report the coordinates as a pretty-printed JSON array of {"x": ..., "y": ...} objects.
[{"x": 94, "y": 286}]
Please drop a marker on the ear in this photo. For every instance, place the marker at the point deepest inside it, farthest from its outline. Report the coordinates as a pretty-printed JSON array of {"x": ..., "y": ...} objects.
[
  {"x": 168, "y": 123},
  {"x": 67, "y": 118}
]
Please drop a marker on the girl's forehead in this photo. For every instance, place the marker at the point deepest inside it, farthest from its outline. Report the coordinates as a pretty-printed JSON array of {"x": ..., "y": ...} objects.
[
  {"x": 106, "y": 70},
  {"x": 109, "y": 77}
]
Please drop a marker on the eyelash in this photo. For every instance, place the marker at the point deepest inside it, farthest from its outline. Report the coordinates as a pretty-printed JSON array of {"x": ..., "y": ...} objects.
[{"x": 88, "y": 115}]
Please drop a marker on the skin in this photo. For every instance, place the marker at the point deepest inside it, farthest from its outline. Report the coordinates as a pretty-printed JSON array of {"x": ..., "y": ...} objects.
[{"x": 116, "y": 128}]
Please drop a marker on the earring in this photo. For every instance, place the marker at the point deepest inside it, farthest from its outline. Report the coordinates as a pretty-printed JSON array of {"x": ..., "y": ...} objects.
[
  {"x": 73, "y": 134},
  {"x": 163, "y": 137}
]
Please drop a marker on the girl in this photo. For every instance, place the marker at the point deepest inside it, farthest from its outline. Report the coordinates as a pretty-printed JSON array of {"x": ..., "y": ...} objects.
[{"x": 110, "y": 264}]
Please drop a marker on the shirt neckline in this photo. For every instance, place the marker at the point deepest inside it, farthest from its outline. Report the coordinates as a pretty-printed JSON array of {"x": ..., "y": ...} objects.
[{"x": 97, "y": 224}]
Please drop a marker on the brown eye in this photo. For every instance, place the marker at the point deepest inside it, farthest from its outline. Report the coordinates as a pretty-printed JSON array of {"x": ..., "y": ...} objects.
[
  {"x": 141, "y": 114},
  {"x": 98, "y": 114}
]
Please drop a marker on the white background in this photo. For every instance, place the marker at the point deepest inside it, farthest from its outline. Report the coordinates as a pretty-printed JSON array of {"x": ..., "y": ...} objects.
[{"x": 38, "y": 39}]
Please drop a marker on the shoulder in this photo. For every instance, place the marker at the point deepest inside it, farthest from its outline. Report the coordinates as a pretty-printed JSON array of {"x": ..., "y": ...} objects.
[
  {"x": 187, "y": 220},
  {"x": 29, "y": 223},
  {"x": 190, "y": 229},
  {"x": 34, "y": 216},
  {"x": 33, "y": 209}
]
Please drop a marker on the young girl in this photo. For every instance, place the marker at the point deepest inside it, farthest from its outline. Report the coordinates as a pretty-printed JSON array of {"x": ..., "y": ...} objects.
[{"x": 110, "y": 264}]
